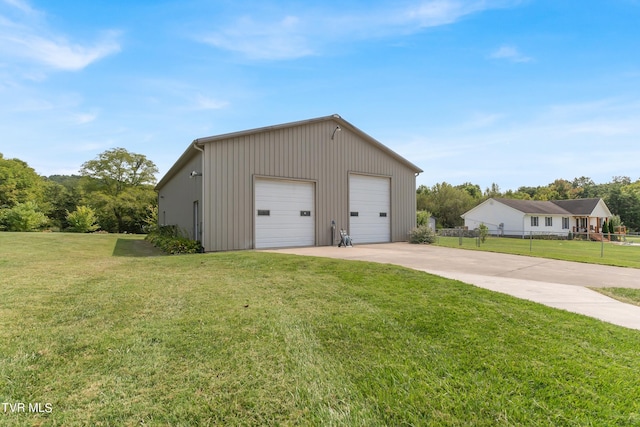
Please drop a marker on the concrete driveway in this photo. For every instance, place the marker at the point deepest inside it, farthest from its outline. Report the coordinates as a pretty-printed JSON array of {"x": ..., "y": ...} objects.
[{"x": 558, "y": 284}]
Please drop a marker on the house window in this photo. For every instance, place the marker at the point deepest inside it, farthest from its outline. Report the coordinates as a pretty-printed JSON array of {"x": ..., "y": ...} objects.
[
  {"x": 565, "y": 223},
  {"x": 534, "y": 221},
  {"x": 548, "y": 221}
]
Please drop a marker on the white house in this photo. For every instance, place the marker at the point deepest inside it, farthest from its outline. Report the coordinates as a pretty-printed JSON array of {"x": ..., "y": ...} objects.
[{"x": 512, "y": 217}]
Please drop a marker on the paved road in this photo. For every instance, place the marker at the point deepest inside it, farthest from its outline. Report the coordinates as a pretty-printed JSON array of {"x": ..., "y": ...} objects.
[{"x": 559, "y": 284}]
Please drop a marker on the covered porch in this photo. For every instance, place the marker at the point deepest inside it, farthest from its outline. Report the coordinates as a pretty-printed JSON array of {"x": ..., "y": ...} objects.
[{"x": 590, "y": 226}]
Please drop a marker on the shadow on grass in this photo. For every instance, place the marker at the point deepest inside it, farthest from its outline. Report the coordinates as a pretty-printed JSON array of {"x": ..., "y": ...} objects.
[{"x": 135, "y": 248}]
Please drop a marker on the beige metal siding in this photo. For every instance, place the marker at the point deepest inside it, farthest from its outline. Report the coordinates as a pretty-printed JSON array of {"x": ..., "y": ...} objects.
[
  {"x": 300, "y": 152},
  {"x": 176, "y": 197}
]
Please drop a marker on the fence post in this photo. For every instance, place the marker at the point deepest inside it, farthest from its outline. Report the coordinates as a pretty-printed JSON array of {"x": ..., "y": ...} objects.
[
  {"x": 530, "y": 241},
  {"x": 460, "y": 237}
]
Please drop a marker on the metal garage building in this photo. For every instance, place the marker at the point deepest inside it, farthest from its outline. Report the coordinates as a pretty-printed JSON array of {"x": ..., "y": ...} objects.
[{"x": 286, "y": 185}]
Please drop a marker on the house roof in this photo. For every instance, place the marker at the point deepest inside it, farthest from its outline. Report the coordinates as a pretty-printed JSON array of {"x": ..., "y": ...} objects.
[
  {"x": 534, "y": 206},
  {"x": 572, "y": 207},
  {"x": 578, "y": 206},
  {"x": 192, "y": 151}
]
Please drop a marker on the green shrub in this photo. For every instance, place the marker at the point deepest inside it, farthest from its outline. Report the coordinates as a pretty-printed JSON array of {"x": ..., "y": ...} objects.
[
  {"x": 483, "y": 232},
  {"x": 82, "y": 220},
  {"x": 422, "y": 234},
  {"x": 23, "y": 217},
  {"x": 166, "y": 231},
  {"x": 151, "y": 220},
  {"x": 422, "y": 218},
  {"x": 169, "y": 240}
]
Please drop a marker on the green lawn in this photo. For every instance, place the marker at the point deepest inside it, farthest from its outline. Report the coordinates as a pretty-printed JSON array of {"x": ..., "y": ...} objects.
[
  {"x": 108, "y": 334},
  {"x": 568, "y": 250},
  {"x": 633, "y": 238},
  {"x": 626, "y": 295}
]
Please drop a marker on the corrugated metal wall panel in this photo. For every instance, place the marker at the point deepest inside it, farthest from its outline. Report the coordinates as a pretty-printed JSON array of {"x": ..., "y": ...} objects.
[{"x": 176, "y": 198}]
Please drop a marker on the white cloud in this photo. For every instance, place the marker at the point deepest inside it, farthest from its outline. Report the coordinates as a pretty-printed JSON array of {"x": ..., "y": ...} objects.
[
  {"x": 27, "y": 105},
  {"x": 590, "y": 108},
  {"x": 27, "y": 38},
  {"x": 595, "y": 120},
  {"x": 206, "y": 103},
  {"x": 20, "y": 5},
  {"x": 183, "y": 94},
  {"x": 89, "y": 146},
  {"x": 510, "y": 53},
  {"x": 482, "y": 120},
  {"x": 58, "y": 53},
  {"x": 443, "y": 12},
  {"x": 83, "y": 118},
  {"x": 295, "y": 35},
  {"x": 284, "y": 39}
]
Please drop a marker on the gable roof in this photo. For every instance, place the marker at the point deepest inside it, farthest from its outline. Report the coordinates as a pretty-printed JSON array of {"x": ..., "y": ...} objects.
[
  {"x": 192, "y": 150},
  {"x": 573, "y": 207},
  {"x": 578, "y": 206},
  {"x": 534, "y": 206}
]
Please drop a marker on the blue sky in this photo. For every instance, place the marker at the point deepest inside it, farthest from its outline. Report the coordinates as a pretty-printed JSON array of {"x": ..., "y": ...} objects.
[{"x": 516, "y": 92}]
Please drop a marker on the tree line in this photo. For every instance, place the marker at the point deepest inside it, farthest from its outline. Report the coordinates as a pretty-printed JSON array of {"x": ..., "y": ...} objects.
[
  {"x": 447, "y": 202},
  {"x": 113, "y": 193}
]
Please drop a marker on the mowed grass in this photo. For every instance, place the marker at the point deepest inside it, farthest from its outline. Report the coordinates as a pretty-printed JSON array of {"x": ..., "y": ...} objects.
[
  {"x": 567, "y": 250},
  {"x": 626, "y": 295},
  {"x": 633, "y": 238},
  {"x": 108, "y": 337}
]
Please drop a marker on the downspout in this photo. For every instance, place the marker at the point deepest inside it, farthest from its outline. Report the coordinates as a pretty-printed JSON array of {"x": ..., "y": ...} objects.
[{"x": 202, "y": 206}]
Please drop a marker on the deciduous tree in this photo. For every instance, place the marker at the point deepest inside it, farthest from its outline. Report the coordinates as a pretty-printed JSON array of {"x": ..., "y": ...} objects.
[
  {"x": 447, "y": 203},
  {"x": 19, "y": 183},
  {"x": 120, "y": 189}
]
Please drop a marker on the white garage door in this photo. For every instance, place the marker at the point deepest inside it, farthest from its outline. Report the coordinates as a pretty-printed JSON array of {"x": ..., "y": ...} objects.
[
  {"x": 369, "y": 209},
  {"x": 285, "y": 214}
]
